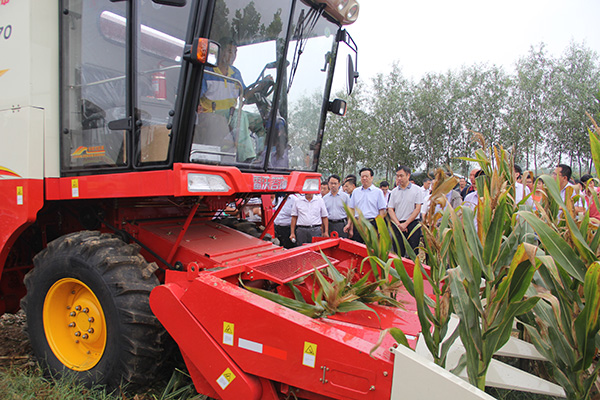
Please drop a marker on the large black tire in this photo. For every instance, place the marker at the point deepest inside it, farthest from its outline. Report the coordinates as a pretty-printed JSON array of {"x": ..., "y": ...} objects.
[{"x": 88, "y": 312}]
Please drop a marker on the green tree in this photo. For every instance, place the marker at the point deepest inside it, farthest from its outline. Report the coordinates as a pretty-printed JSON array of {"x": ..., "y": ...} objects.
[
  {"x": 576, "y": 84},
  {"x": 530, "y": 111},
  {"x": 344, "y": 143},
  {"x": 221, "y": 27},
  {"x": 389, "y": 135},
  {"x": 246, "y": 24}
]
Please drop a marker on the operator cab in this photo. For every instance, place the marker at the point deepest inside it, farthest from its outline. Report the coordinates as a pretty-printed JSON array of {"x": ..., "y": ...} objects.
[{"x": 132, "y": 100}]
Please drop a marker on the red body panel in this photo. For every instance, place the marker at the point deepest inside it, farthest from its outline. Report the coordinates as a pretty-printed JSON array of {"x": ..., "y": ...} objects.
[
  {"x": 18, "y": 209},
  {"x": 263, "y": 339},
  {"x": 170, "y": 183}
]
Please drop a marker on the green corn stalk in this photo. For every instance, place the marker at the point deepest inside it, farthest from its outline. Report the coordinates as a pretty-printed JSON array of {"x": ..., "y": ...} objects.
[
  {"x": 495, "y": 266},
  {"x": 379, "y": 246},
  {"x": 564, "y": 326},
  {"x": 434, "y": 313}
]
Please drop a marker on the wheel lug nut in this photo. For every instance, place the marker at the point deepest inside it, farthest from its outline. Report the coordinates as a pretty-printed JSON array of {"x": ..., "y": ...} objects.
[
  {"x": 85, "y": 336},
  {"x": 86, "y": 310},
  {"x": 77, "y": 333},
  {"x": 78, "y": 308},
  {"x": 72, "y": 292},
  {"x": 72, "y": 325},
  {"x": 91, "y": 330},
  {"x": 72, "y": 314},
  {"x": 91, "y": 319},
  {"x": 68, "y": 307}
]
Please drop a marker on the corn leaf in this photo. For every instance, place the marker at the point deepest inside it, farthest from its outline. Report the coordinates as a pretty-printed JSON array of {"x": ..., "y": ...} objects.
[
  {"x": 399, "y": 336},
  {"x": 493, "y": 238},
  {"x": 403, "y": 273},
  {"x": 556, "y": 246},
  {"x": 302, "y": 307},
  {"x": 472, "y": 238},
  {"x": 460, "y": 242},
  {"x": 355, "y": 306},
  {"x": 295, "y": 291},
  {"x": 595, "y": 148},
  {"x": 422, "y": 309},
  {"x": 520, "y": 275},
  {"x": 587, "y": 322},
  {"x": 496, "y": 338},
  {"x": 578, "y": 239}
]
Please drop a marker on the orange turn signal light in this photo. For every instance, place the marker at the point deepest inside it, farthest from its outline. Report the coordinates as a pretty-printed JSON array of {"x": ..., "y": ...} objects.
[{"x": 203, "y": 51}]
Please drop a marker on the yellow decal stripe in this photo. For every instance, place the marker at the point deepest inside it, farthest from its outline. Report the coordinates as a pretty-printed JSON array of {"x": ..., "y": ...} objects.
[
  {"x": 3, "y": 71},
  {"x": 6, "y": 171}
]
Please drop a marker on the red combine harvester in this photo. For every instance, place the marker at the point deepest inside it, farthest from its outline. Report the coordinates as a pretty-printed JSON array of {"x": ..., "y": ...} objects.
[{"x": 127, "y": 129}]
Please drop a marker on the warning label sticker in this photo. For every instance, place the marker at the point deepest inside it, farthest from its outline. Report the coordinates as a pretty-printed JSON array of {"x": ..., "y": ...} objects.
[
  {"x": 228, "y": 333},
  {"x": 226, "y": 378},
  {"x": 74, "y": 187},
  {"x": 310, "y": 354},
  {"x": 19, "y": 195}
]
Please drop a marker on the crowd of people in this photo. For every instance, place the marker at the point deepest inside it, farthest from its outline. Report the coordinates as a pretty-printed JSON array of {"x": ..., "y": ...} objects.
[{"x": 303, "y": 217}]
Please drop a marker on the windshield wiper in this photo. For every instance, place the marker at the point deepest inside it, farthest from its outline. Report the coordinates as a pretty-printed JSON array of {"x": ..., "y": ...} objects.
[{"x": 304, "y": 28}]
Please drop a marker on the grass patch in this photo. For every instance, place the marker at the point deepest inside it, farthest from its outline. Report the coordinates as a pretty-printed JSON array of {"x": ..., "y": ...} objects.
[
  {"x": 19, "y": 384},
  {"x": 24, "y": 384}
]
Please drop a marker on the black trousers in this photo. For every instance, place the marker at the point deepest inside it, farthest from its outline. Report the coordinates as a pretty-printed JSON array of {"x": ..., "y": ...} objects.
[
  {"x": 357, "y": 237},
  {"x": 338, "y": 226},
  {"x": 282, "y": 233},
  {"x": 413, "y": 240}
]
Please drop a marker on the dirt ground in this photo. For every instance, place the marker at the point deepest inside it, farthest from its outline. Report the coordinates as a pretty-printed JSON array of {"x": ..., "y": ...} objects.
[{"x": 15, "y": 349}]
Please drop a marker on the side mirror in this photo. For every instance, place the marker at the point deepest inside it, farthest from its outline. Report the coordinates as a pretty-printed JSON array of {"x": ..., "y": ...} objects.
[
  {"x": 174, "y": 3},
  {"x": 352, "y": 75},
  {"x": 337, "y": 107},
  {"x": 202, "y": 51}
]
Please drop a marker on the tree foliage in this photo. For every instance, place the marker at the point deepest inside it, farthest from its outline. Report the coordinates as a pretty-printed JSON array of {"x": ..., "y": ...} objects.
[{"x": 538, "y": 110}]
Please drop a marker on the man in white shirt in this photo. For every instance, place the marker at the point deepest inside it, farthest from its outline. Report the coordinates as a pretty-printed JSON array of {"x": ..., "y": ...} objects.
[
  {"x": 426, "y": 195},
  {"x": 283, "y": 222},
  {"x": 521, "y": 191},
  {"x": 349, "y": 184},
  {"x": 309, "y": 219},
  {"x": 385, "y": 188},
  {"x": 472, "y": 199},
  {"x": 404, "y": 210},
  {"x": 563, "y": 173},
  {"x": 334, "y": 202},
  {"x": 368, "y": 199},
  {"x": 324, "y": 188}
]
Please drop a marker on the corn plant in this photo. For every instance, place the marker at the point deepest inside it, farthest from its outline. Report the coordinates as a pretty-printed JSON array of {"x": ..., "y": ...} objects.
[
  {"x": 564, "y": 326},
  {"x": 434, "y": 313},
  {"x": 495, "y": 266},
  {"x": 379, "y": 246},
  {"x": 335, "y": 293}
]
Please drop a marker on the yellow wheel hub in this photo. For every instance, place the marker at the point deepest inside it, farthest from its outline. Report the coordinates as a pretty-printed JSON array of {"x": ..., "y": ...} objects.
[{"x": 74, "y": 324}]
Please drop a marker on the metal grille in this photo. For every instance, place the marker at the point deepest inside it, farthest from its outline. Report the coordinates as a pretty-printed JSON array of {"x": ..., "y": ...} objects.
[{"x": 288, "y": 269}]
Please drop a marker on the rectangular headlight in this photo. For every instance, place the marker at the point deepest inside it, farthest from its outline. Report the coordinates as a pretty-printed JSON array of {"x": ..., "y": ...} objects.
[
  {"x": 311, "y": 185},
  {"x": 207, "y": 183}
]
